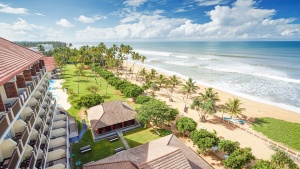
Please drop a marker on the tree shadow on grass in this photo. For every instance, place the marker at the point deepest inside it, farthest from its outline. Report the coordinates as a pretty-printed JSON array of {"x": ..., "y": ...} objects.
[
  {"x": 106, "y": 97},
  {"x": 260, "y": 122}
]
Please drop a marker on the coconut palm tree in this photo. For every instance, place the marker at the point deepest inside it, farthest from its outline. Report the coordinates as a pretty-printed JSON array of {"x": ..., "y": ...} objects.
[
  {"x": 143, "y": 73},
  {"x": 161, "y": 79},
  {"x": 210, "y": 94},
  {"x": 189, "y": 87},
  {"x": 135, "y": 57},
  {"x": 233, "y": 107},
  {"x": 152, "y": 74},
  {"x": 142, "y": 60}
]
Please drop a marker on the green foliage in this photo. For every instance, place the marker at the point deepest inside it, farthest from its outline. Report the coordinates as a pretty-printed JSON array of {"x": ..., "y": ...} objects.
[
  {"x": 157, "y": 112},
  {"x": 281, "y": 160},
  {"x": 92, "y": 89},
  {"x": 204, "y": 139},
  {"x": 279, "y": 130},
  {"x": 189, "y": 87},
  {"x": 233, "y": 107},
  {"x": 132, "y": 91},
  {"x": 263, "y": 164},
  {"x": 239, "y": 158},
  {"x": 228, "y": 146},
  {"x": 142, "y": 99},
  {"x": 89, "y": 100},
  {"x": 186, "y": 124}
]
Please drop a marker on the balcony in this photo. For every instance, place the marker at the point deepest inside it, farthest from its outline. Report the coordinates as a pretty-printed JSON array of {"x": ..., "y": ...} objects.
[{"x": 56, "y": 158}]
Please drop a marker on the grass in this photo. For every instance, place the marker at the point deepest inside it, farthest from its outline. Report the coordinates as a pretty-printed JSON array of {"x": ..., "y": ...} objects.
[
  {"x": 100, "y": 149},
  {"x": 143, "y": 135},
  {"x": 281, "y": 131}
]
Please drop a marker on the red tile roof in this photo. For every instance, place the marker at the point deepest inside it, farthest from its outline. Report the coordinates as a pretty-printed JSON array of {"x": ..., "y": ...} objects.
[
  {"x": 14, "y": 59},
  {"x": 49, "y": 63}
]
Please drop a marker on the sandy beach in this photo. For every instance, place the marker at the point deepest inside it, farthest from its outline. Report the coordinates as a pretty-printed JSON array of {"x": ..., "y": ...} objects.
[{"x": 254, "y": 109}]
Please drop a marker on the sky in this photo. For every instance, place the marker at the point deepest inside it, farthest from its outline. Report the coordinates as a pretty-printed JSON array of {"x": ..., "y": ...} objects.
[{"x": 149, "y": 20}]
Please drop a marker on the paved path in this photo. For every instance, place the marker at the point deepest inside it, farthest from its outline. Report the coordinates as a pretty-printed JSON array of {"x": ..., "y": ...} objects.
[
  {"x": 120, "y": 134},
  {"x": 83, "y": 130}
]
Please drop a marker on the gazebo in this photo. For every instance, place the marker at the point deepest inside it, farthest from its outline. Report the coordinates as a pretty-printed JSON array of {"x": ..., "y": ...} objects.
[{"x": 110, "y": 116}]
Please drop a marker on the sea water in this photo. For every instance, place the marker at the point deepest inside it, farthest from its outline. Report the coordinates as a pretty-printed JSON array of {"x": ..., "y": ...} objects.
[{"x": 267, "y": 72}]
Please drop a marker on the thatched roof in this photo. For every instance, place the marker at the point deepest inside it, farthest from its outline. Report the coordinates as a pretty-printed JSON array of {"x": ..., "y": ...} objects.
[
  {"x": 166, "y": 152},
  {"x": 110, "y": 113}
]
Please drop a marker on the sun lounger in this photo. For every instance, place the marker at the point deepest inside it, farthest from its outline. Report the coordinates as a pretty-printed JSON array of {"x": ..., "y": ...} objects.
[
  {"x": 113, "y": 138},
  {"x": 117, "y": 150},
  {"x": 85, "y": 149}
]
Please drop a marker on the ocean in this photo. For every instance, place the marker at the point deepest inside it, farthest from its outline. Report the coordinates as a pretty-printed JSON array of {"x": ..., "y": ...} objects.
[{"x": 267, "y": 72}]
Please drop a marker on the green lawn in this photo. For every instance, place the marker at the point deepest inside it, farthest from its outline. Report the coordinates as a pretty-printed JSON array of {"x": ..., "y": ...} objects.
[
  {"x": 281, "y": 131},
  {"x": 143, "y": 135},
  {"x": 100, "y": 149}
]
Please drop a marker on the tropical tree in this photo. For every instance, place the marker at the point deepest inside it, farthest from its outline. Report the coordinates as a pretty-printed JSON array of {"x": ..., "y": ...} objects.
[
  {"x": 189, "y": 87},
  {"x": 263, "y": 164},
  {"x": 204, "y": 139},
  {"x": 79, "y": 71},
  {"x": 143, "y": 73},
  {"x": 152, "y": 74},
  {"x": 186, "y": 124},
  {"x": 155, "y": 111},
  {"x": 161, "y": 79},
  {"x": 233, "y": 107},
  {"x": 204, "y": 107},
  {"x": 228, "y": 146},
  {"x": 89, "y": 100},
  {"x": 135, "y": 57},
  {"x": 281, "y": 160},
  {"x": 239, "y": 158},
  {"x": 92, "y": 89},
  {"x": 142, "y": 60}
]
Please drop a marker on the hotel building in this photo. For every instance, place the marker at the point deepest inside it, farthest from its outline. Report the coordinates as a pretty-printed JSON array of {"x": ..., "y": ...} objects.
[{"x": 33, "y": 133}]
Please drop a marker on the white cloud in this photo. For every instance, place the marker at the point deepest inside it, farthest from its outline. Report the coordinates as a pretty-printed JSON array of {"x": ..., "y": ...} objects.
[
  {"x": 210, "y": 2},
  {"x": 64, "y": 23},
  {"x": 7, "y": 9},
  {"x": 85, "y": 19},
  {"x": 241, "y": 20},
  {"x": 179, "y": 10},
  {"x": 135, "y": 3},
  {"x": 39, "y": 14}
]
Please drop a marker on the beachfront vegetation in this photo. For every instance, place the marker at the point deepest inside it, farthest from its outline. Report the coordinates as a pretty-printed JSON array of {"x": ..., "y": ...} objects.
[
  {"x": 142, "y": 99},
  {"x": 233, "y": 107},
  {"x": 92, "y": 89},
  {"x": 279, "y": 131},
  {"x": 144, "y": 135},
  {"x": 239, "y": 158},
  {"x": 189, "y": 87},
  {"x": 205, "y": 104},
  {"x": 89, "y": 100},
  {"x": 156, "y": 111},
  {"x": 228, "y": 146},
  {"x": 279, "y": 160},
  {"x": 204, "y": 139},
  {"x": 186, "y": 124}
]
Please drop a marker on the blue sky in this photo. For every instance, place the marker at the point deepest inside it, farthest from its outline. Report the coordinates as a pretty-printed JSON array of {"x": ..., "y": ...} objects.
[{"x": 148, "y": 20}]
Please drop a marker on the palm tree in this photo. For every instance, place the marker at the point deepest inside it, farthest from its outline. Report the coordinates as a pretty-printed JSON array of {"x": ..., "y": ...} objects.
[
  {"x": 143, "y": 73},
  {"x": 142, "y": 60},
  {"x": 161, "y": 79},
  {"x": 189, "y": 87},
  {"x": 174, "y": 80},
  {"x": 232, "y": 107},
  {"x": 152, "y": 74},
  {"x": 79, "y": 72},
  {"x": 210, "y": 94},
  {"x": 135, "y": 57}
]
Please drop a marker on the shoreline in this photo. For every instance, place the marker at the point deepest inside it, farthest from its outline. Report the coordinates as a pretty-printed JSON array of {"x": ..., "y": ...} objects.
[{"x": 254, "y": 108}]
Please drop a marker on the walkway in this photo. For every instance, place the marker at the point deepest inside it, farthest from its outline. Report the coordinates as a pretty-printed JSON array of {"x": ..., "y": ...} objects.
[
  {"x": 83, "y": 130},
  {"x": 120, "y": 134}
]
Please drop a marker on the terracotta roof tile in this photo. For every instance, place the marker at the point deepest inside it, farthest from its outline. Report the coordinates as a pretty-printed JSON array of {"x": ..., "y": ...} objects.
[
  {"x": 49, "y": 63},
  {"x": 14, "y": 59},
  {"x": 114, "y": 165}
]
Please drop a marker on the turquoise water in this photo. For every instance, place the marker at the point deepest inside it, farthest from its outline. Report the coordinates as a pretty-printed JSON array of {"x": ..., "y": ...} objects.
[
  {"x": 51, "y": 82},
  {"x": 56, "y": 97},
  {"x": 268, "y": 72}
]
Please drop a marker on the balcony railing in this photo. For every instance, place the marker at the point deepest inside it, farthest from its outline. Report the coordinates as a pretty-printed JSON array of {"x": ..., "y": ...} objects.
[
  {"x": 16, "y": 107},
  {"x": 4, "y": 123},
  {"x": 14, "y": 159},
  {"x": 32, "y": 160}
]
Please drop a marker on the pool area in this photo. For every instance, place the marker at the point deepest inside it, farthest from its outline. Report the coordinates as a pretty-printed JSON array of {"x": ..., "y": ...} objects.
[
  {"x": 56, "y": 97},
  {"x": 235, "y": 120},
  {"x": 51, "y": 82},
  {"x": 50, "y": 88}
]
